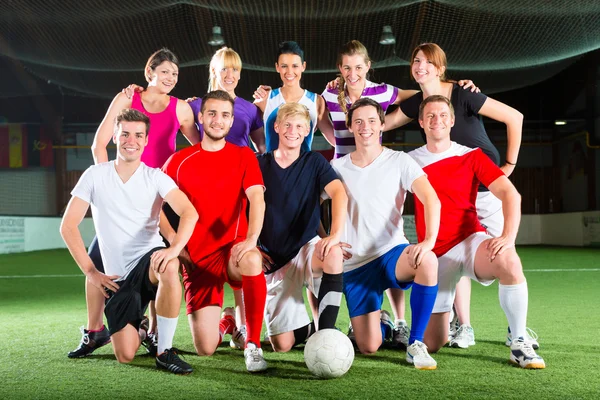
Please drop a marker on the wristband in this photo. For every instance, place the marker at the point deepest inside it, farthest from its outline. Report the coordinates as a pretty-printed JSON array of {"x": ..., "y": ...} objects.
[{"x": 509, "y": 163}]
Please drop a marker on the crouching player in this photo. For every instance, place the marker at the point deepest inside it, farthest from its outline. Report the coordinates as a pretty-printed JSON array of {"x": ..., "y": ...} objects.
[
  {"x": 376, "y": 180},
  {"x": 294, "y": 255},
  {"x": 126, "y": 198},
  {"x": 463, "y": 247}
]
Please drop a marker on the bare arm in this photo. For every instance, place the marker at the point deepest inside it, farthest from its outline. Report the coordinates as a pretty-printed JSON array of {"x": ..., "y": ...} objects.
[
  {"x": 514, "y": 126},
  {"x": 185, "y": 115},
  {"x": 188, "y": 216},
  {"x": 256, "y": 216},
  {"x": 431, "y": 206},
  {"x": 395, "y": 119},
  {"x": 339, "y": 207},
  {"x": 258, "y": 138},
  {"x": 261, "y": 94},
  {"x": 69, "y": 230},
  {"x": 404, "y": 94},
  {"x": 503, "y": 189},
  {"x": 106, "y": 129},
  {"x": 323, "y": 122}
]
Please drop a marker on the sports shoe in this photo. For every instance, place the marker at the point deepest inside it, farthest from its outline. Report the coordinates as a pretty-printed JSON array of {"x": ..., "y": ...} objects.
[
  {"x": 150, "y": 341},
  {"x": 170, "y": 361},
  {"x": 464, "y": 337},
  {"x": 417, "y": 355},
  {"x": 255, "y": 362},
  {"x": 90, "y": 341},
  {"x": 351, "y": 335},
  {"x": 530, "y": 337},
  {"x": 400, "y": 335},
  {"x": 386, "y": 319},
  {"x": 238, "y": 337},
  {"x": 523, "y": 355},
  {"x": 454, "y": 324}
]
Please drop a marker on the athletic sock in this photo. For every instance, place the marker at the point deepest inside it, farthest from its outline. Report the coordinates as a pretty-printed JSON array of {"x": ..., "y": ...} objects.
[
  {"x": 399, "y": 322},
  {"x": 514, "y": 302},
  {"x": 226, "y": 326},
  {"x": 166, "y": 327},
  {"x": 302, "y": 334},
  {"x": 254, "y": 289},
  {"x": 422, "y": 299},
  {"x": 95, "y": 330},
  {"x": 330, "y": 298}
]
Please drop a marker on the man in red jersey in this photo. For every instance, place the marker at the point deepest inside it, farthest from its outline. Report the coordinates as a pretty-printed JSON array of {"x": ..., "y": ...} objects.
[
  {"x": 462, "y": 246},
  {"x": 220, "y": 180}
]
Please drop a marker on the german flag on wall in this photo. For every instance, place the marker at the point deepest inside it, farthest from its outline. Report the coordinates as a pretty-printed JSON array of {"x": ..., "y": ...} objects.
[{"x": 24, "y": 146}]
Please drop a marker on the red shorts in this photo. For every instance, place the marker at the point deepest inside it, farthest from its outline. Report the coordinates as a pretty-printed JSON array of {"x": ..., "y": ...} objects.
[{"x": 204, "y": 285}]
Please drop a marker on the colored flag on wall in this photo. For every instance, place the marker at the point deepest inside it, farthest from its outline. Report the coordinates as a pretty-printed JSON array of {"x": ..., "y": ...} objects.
[{"x": 24, "y": 145}]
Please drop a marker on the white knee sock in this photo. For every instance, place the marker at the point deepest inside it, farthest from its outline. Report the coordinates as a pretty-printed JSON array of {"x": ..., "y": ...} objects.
[
  {"x": 514, "y": 300},
  {"x": 166, "y": 331}
]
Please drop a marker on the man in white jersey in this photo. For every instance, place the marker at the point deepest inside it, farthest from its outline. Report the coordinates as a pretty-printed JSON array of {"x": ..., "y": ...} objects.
[
  {"x": 463, "y": 246},
  {"x": 376, "y": 180},
  {"x": 126, "y": 198}
]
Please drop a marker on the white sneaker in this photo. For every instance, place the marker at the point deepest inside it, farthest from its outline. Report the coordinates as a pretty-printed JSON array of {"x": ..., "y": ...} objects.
[
  {"x": 523, "y": 355},
  {"x": 454, "y": 324},
  {"x": 530, "y": 337},
  {"x": 417, "y": 355},
  {"x": 464, "y": 337},
  {"x": 238, "y": 338},
  {"x": 401, "y": 334},
  {"x": 255, "y": 362}
]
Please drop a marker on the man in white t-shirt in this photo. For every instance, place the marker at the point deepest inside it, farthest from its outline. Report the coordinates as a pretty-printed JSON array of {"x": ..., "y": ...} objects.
[
  {"x": 126, "y": 198},
  {"x": 376, "y": 180}
]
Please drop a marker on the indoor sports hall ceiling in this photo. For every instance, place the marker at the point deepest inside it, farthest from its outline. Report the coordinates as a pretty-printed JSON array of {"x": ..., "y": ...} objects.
[{"x": 92, "y": 48}]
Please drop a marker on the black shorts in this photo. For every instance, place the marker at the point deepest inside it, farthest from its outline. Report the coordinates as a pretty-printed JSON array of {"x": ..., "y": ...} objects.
[
  {"x": 94, "y": 252},
  {"x": 128, "y": 304}
]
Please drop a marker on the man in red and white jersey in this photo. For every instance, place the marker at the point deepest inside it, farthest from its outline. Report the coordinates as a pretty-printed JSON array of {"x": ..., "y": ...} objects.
[{"x": 462, "y": 246}]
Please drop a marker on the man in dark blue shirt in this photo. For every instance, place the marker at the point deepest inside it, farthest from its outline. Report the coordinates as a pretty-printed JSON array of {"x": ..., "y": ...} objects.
[{"x": 294, "y": 255}]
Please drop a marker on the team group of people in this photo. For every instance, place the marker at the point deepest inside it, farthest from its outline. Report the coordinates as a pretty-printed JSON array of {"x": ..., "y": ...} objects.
[{"x": 254, "y": 221}]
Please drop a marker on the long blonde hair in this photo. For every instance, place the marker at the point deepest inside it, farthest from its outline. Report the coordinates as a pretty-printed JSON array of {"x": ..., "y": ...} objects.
[
  {"x": 225, "y": 57},
  {"x": 351, "y": 48}
]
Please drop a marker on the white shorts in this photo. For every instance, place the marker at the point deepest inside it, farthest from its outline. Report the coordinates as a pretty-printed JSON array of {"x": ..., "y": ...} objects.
[
  {"x": 489, "y": 212},
  {"x": 459, "y": 261},
  {"x": 285, "y": 310}
]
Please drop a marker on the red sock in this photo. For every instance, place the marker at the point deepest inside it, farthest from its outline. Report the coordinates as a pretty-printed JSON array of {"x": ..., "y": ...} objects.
[
  {"x": 226, "y": 325},
  {"x": 254, "y": 289}
]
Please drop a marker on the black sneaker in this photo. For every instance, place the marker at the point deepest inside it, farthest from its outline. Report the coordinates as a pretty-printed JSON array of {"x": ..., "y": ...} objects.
[
  {"x": 170, "y": 361},
  {"x": 151, "y": 341},
  {"x": 90, "y": 341}
]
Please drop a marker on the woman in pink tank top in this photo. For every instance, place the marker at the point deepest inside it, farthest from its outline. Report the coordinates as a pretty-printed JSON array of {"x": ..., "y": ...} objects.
[{"x": 167, "y": 114}]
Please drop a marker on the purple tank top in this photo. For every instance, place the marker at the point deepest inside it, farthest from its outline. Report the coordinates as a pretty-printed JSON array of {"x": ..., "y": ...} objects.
[{"x": 163, "y": 132}]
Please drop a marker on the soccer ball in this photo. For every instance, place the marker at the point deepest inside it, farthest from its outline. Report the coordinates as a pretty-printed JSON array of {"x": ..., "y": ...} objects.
[{"x": 328, "y": 353}]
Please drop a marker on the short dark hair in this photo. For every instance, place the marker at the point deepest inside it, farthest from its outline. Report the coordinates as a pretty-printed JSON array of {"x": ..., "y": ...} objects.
[
  {"x": 436, "y": 98},
  {"x": 131, "y": 115},
  {"x": 157, "y": 58},
  {"x": 216, "y": 95},
  {"x": 290, "y": 47},
  {"x": 364, "y": 102}
]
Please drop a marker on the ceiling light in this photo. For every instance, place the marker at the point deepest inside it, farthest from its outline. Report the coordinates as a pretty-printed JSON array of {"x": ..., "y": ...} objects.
[
  {"x": 216, "y": 39},
  {"x": 387, "y": 37},
  {"x": 560, "y": 122}
]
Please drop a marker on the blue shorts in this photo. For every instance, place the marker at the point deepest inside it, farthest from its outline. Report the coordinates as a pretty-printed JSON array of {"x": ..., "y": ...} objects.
[{"x": 364, "y": 286}]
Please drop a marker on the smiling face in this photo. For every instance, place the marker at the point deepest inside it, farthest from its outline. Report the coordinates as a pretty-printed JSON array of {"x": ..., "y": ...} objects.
[
  {"x": 131, "y": 138},
  {"x": 428, "y": 63},
  {"x": 354, "y": 70},
  {"x": 290, "y": 68},
  {"x": 437, "y": 121},
  {"x": 292, "y": 130},
  {"x": 216, "y": 118},
  {"x": 366, "y": 126},
  {"x": 164, "y": 76}
]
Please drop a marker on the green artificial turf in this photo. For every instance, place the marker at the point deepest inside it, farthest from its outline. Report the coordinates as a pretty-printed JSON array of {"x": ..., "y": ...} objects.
[{"x": 40, "y": 317}]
